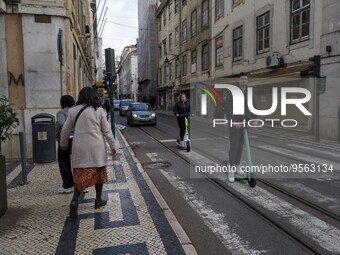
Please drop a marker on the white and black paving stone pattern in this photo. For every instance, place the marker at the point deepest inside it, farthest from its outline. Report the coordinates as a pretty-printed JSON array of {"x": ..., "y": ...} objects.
[{"x": 132, "y": 222}]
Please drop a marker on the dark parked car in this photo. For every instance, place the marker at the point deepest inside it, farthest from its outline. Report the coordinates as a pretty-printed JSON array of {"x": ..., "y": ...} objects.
[
  {"x": 141, "y": 113},
  {"x": 116, "y": 103},
  {"x": 124, "y": 105}
]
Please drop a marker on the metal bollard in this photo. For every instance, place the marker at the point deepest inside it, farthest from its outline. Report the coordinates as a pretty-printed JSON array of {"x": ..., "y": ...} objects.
[{"x": 22, "y": 139}]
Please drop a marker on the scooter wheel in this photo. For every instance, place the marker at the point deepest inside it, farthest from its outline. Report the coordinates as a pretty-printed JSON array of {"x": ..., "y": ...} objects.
[
  {"x": 188, "y": 146},
  {"x": 252, "y": 182}
]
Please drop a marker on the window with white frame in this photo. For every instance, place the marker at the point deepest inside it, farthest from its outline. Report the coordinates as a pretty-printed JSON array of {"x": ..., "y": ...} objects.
[
  {"x": 219, "y": 8},
  {"x": 170, "y": 41},
  {"x": 205, "y": 13},
  {"x": 170, "y": 10},
  {"x": 193, "y": 23},
  {"x": 170, "y": 71},
  {"x": 219, "y": 51},
  {"x": 177, "y": 68},
  {"x": 164, "y": 47},
  {"x": 236, "y": 2},
  {"x": 160, "y": 75},
  {"x": 300, "y": 20},
  {"x": 164, "y": 69},
  {"x": 263, "y": 33},
  {"x": 160, "y": 50},
  {"x": 176, "y": 6},
  {"x": 164, "y": 17},
  {"x": 237, "y": 43},
  {"x": 184, "y": 30},
  {"x": 184, "y": 65},
  {"x": 176, "y": 36},
  {"x": 205, "y": 57},
  {"x": 193, "y": 61}
]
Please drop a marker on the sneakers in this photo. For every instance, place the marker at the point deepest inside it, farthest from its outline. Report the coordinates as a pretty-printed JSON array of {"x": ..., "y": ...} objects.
[
  {"x": 62, "y": 190},
  {"x": 240, "y": 173},
  {"x": 180, "y": 143},
  {"x": 231, "y": 177}
]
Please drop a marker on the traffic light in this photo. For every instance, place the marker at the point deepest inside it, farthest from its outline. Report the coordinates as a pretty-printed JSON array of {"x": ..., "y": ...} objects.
[
  {"x": 106, "y": 82},
  {"x": 321, "y": 81},
  {"x": 110, "y": 64},
  {"x": 316, "y": 66}
]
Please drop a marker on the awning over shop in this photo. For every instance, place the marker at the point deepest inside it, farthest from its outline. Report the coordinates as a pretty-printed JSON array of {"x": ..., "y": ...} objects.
[
  {"x": 265, "y": 76},
  {"x": 145, "y": 80},
  {"x": 282, "y": 75},
  {"x": 184, "y": 87},
  {"x": 165, "y": 88},
  {"x": 291, "y": 77}
]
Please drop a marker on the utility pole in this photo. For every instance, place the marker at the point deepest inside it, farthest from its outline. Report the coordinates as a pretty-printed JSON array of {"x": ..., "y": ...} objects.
[
  {"x": 320, "y": 88},
  {"x": 60, "y": 58},
  {"x": 110, "y": 78}
]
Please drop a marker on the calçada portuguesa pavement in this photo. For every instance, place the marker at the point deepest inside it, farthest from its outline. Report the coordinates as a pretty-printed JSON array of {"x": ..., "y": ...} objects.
[{"x": 136, "y": 219}]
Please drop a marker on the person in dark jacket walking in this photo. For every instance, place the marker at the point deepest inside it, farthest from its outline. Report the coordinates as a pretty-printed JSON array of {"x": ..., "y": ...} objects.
[
  {"x": 64, "y": 156},
  {"x": 236, "y": 129},
  {"x": 107, "y": 107},
  {"x": 180, "y": 108}
]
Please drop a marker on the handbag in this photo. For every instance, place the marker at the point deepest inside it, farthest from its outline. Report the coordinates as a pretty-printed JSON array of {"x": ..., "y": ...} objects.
[{"x": 70, "y": 138}]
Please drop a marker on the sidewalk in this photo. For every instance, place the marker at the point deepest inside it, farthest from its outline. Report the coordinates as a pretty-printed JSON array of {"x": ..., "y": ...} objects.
[{"x": 135, "y": 220}]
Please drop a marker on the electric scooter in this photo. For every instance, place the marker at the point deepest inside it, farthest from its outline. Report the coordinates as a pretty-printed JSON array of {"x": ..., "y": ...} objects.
[
  {"x": 186, "y": 140},
  {"x": 248, "y": 175}
]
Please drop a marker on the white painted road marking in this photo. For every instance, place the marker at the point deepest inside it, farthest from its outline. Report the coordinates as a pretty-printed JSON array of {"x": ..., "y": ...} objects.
[
  {"x": 299, "y": 156},
  {"x": 322, "y": 233},
  {"x": 215, "y": 221},
  {"x": 313, "y": 194},
  {"x": 154, "y": 157},
  {"x": 317, "y": 150},
  {"x": 168, "y": 141}
]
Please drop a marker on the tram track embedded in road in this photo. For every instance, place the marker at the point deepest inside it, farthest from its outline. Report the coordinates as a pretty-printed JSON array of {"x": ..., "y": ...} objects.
[
  {"x": 314, "y": 249},
  {"x": 306, "y": 202}
]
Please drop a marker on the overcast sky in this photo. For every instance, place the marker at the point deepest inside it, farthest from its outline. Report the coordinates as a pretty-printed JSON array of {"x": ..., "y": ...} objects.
[{"x": 124, "y": 12}]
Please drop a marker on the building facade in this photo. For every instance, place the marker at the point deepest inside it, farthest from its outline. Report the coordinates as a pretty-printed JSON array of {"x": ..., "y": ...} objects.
[
  {"x": 128, "y": 73},
  {"x": 272, "y": 40},
  {"x": 146, "y": 45},
  {"x": 31, "y": 75},
  {"x": 184, "y": 32}
]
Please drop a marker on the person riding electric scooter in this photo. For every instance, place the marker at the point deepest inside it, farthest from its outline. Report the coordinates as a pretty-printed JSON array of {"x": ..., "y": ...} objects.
[
  {"x": 236, "y": 131},
  {"x": 182, "y": 111}
]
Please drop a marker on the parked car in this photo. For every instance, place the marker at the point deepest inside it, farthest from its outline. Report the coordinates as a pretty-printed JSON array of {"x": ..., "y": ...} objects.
[
  {"x": 124, "y": 105},
  {"x": 116, "y": 103},
  {"x": 141, "y": 113}
]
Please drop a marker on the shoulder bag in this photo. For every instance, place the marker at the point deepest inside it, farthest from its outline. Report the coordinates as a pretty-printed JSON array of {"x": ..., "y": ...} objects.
[{"x": 70, "y": 139}]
